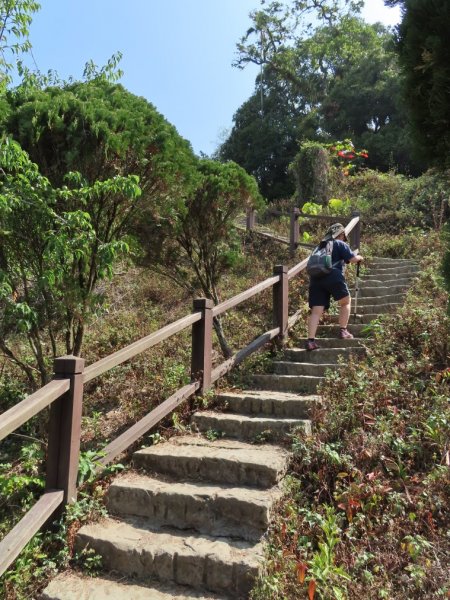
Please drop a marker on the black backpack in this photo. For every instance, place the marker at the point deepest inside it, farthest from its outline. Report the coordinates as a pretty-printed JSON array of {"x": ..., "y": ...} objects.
[{"x": 319, "y": 263}]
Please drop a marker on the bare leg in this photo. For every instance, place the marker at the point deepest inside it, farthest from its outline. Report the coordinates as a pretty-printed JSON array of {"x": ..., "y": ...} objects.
[
  {"x": 313, "y": 320},
  {"x": 344, "y": 311}
]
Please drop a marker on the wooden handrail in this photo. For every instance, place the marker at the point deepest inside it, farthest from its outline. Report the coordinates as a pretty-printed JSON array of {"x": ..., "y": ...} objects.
[
  {"x": 16, "y": 540},
  {"x": 256, "y": 289},
  {"x": 19, "y": 414},
  {"x": 66, "y": 413},
  {"x": 237, "y": 358},
  {"x": 117, "y": 358},
  {"x": 132, "y": 434}
]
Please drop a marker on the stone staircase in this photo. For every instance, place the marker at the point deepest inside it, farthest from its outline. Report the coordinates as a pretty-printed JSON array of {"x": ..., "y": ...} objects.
[{"x": 188, "y": 521}]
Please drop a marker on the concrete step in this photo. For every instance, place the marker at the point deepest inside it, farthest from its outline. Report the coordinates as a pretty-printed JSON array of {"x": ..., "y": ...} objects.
[
  {"x": 246, "y": 427},
  {"x": 390, "y": 272},
  {"x": 381, "y": 290},
  {"x": 392, "y": 262},
  {"x": 302, "y": 384},
  {"x": 219, "y": 510},
  {"x": 367, "y": 317},
  {"x": 376, "y": 282},
  {"x": 373, "y": 300},
  {"x": 328, "y": 331},
  {"x": 364, "y": 309},
  {"x": 296, "y": 368},
  {"x": 387, "y": 276},
  {"x": 223, "y": 461},
  {"x": 332, "y": 342},
  {"x": 131, "y": 548},
  {"x": 73, "y": 586},
  {"x": 326, "y": 355},
  {"x": 277, "y": 404}
]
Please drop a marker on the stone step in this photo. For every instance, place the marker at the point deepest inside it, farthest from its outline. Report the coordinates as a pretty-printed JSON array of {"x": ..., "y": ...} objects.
[
  {"x": 381, "y": 290},
  {"x": 397, "y": 262},
  {"x": 389, "y": 273},
  {"x": 277, "y": 404},
  {"x": 218, "y": 510},
  {"x": 376, "y": 282},
  {"x": 299, "y": 368},
  {"x": 326, "y": 355},
  {"x": 364, "y": 309},
  {"x": 131, "y": 548},
  {"x": 72, "y": 586},
  {"x": 387, "y": 276},
  {"x": 332, "y": 342},
  {"x": 329, "y": 331},
  {"x": 223, "y": 461},
  {"x": 306, "y": 384},
  {"x": 367, "y": 317},
  {"x": 373, "y": 300},
  {"x": 246, "y": 427}
]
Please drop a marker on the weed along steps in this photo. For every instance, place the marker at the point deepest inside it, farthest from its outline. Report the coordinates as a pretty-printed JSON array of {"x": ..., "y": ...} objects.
[{"x": 189, "y": 520}]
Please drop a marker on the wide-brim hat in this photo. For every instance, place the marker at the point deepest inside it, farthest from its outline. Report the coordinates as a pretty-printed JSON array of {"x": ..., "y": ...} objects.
[{"x": 334, "y": 231}]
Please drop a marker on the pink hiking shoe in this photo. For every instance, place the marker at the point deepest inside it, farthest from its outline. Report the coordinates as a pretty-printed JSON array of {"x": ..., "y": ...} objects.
[
  {"x": 344, "y": 334},
  {"x": 311, "y": 345}
]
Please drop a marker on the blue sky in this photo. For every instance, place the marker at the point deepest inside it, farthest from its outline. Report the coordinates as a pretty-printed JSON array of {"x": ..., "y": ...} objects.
[{"x": 176, "y": 53}]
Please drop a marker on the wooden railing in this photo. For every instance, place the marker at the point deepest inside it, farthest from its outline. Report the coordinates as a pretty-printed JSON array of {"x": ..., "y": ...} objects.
[
  {"x": 64, "y": 395},
  {"x": 294, "y": 229}
]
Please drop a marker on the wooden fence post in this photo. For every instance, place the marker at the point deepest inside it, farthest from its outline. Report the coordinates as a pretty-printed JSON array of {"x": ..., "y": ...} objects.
[
  {"x": 281, "y": 301},
  {"x": 294, "y": 231},
  {"x": 65, "y": 429},
  {"x": 251, "y": 218},
  {"x": 355, "y": 234},
  {"x": 201, "y": 358}
]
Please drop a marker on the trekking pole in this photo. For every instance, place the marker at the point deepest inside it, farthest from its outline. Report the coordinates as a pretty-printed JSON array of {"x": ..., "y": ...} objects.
[{"x": 356, "y": 291}]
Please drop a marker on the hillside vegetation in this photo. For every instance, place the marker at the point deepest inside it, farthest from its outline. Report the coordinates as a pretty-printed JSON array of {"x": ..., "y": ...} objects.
[{"x": 110, "y": 226}]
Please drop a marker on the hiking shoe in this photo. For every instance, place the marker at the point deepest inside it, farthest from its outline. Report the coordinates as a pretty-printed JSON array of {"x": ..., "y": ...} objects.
[
  {"x": 344, "y": 334},
  {"x": 311, "y": 345}
]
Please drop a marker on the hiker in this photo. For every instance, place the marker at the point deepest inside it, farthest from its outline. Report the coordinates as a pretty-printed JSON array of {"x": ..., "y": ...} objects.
[{"x": 333, "y": 284}]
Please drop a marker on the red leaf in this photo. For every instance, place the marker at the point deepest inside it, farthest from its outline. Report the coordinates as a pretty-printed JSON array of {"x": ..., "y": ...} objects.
[
  {"x": 301, "y": 570},
  {"x": 311, "y": 589}
]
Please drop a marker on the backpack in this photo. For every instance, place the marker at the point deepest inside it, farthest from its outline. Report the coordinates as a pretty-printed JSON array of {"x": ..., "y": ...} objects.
[{"x": 319, "y": 263}]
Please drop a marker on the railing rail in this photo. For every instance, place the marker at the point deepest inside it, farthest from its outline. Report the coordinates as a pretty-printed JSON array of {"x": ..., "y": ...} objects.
[
  {"x": 64, "y": 394},
  {"x": 19, "y": 414},
  {"x": 294, "y": 229}
]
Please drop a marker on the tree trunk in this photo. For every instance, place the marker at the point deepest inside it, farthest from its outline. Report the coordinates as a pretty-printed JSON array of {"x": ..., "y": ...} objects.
[{"x": 226, "y": 350}]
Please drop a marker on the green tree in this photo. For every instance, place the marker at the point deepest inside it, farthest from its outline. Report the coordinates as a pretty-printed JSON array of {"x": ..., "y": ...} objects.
[
  {"x": 264, "y": 140},
  {"x": 425, "y": 60},
  {"x": 101, "y": 130},
  {"x": 310, "y": 168},
  {"x": 15, "y": 20},
  {"x": 205, "y": 243},
  {"x": 52, "y": 257},
  {"x": 340, "y": 74}
]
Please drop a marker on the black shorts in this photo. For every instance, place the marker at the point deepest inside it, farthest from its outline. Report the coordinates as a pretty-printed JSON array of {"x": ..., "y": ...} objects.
[{"x": 321, "y": 290}]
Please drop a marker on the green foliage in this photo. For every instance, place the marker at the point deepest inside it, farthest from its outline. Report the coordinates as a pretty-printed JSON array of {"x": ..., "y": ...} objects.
[
  {"x": 57, "y": 243},
  {"x": 310, "y": 169},
  {"x": 206, "y": 243},
  {"x": 392, "y": 203},
  {"x": 52, "y": 550},
  {"x": 15, "y": 20},
  {"x": 263, "y": 140},
  {"x": 326, "y": 74},
  {"x": 101, "y": 130},
  {"x": 446, "y": 259},
  {"x": 423, "y": 50},
  {"x": 365, "y": 511}
]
